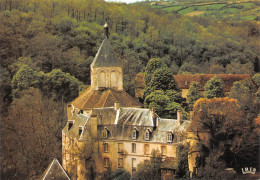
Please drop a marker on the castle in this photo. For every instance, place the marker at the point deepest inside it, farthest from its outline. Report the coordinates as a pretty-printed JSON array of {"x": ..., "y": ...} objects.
[{"x": 108, "y": 129}]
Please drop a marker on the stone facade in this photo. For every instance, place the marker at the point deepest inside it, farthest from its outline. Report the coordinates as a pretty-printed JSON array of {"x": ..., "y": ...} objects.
[{"x": 107, "y": 129}]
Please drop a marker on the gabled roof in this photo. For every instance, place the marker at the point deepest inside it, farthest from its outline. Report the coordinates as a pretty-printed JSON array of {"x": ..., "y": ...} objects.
[
  {"x": 105, "y": 56},
  {"x": 55, "y": 171},
  {"x": 91, "y": 98}
]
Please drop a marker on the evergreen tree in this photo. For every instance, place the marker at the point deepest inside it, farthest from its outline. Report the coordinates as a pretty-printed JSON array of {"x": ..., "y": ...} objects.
[
  {"x": 193, "y": 94},
  {"x": 214, "y": 88}
]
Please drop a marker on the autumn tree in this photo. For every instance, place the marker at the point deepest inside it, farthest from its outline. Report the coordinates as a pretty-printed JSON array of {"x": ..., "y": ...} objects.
[
  {"x": 214, "y": 88},
  {"x": 227, "y": 132}
]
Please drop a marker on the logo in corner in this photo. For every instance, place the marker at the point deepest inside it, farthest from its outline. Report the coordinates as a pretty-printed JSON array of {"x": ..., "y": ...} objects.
[{"x": 247, "y": 170}]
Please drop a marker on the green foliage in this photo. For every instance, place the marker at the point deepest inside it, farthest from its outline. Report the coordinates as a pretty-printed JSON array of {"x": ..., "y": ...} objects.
[
  {"x": 246, "y": 94},
  {"x": 152, "y": 65},
  {"x": 63, "y": 85},
  {"x": 149, "y": 169},
  {"x": 25, "y": 78},
  {"x": 120, "y": 174},
  {"x": 214, "y": 88},
  {"x": 256, "y": 79},
  {"x": 162, "y": 79},
  {"x": 193, "y": 94}
]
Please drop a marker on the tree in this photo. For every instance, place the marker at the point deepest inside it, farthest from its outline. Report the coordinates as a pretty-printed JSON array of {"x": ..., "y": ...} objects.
[
  {"x": 64, "y": 86},
  {"x": 149, "y": 169},
  {"x": 161, "y": 79},
  {"x": 222, "y": 128},
  {"x": 214, "y": 88},
  {"x": 246, "y": 94},
  {"x": 120, "y": 174},
  {"x": 151, "y": 66},
  {"x": 25, "y": 78},
  {"x": 31, "y": 135},
  {"x": 193, "y": 94}
]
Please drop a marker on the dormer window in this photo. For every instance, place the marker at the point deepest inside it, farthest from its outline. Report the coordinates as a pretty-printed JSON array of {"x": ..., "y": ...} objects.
[
  {"x": 134, "y": 134},
  {"x": 169, "y": 137},
  {"x": 147, "y": 135},
  {"x": 70, "y": 124},
  {"x": 80, "y": 130},
  {"x": 105, "y": 133}
]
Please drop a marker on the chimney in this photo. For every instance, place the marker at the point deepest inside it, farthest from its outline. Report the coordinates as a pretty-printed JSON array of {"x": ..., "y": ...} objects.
[
  {"x": 179, "y": 117},
  {"x": 155, "y": 119},
  {"x": 116, "y": 105},
  {"x": 153, "y": 112},
  {"x": 106, "y": 30}
]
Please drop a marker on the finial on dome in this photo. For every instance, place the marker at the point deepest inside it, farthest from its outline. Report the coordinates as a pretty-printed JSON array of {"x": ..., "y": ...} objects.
[{"x": 106, "y": 30}]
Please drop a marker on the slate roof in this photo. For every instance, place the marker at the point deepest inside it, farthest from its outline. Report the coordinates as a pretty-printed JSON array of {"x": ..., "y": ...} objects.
[
  {"x": 55, "y": 171},
  {"x": 91, "y": 98},
  {"x": 184, "y": 81},
  {"x": 79, "y": 121},
  {"x": 123, "y": 121},
  {"x": 105, "y": 56}
]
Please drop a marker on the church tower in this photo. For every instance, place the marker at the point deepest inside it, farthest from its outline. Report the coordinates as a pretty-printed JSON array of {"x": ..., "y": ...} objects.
[{"x": 106, "y": 69}]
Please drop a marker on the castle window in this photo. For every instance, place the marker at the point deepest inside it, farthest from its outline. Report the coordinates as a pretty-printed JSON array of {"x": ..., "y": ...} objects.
[
  {"x": 133, "y": 148},
  {"x": 105, "y": 133},
  {"x": 146, "y": 149},
  {"x": 147, "y": 135},
  {"x": 70, "y": 124},
  {"x": 163, "y": 150},
  {"x": 105, "y": 146},
  {"x": 120, "y": 162},
  {"x": 120, "y": 147},
  {"x": 106, "y": 162},
  {"x": 80, "y": 130},
  {"x": 169, "y": 137},
  {"x": 134, "y": 134}
]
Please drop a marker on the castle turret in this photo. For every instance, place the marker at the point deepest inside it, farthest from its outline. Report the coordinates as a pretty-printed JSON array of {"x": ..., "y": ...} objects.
[{"x": 106, "y": 69}]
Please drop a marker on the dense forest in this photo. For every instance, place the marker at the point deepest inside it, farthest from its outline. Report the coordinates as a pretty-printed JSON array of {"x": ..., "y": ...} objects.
[{"x": 48, "y": 45}]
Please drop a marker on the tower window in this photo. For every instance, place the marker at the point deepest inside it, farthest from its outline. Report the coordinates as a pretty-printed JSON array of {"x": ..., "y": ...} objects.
[{"x": 133, "y": 148}]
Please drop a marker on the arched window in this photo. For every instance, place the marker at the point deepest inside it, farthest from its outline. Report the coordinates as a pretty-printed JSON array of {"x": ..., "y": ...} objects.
[
  {"x": 102, "y": 79},
  {"x": 113, "y": 79},
  {"x": 147, "y": 135}
]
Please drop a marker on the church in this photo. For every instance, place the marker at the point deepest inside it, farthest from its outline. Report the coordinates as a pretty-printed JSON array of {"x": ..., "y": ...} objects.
[{"x": 109, "y": 129}]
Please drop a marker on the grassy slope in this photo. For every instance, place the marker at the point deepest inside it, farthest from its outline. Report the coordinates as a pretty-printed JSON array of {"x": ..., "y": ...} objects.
[{"x": 216, "y": 10}]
